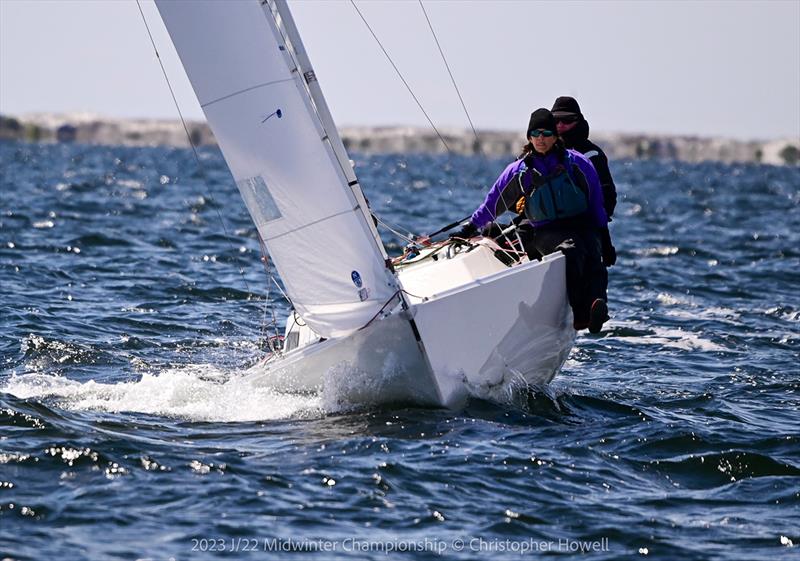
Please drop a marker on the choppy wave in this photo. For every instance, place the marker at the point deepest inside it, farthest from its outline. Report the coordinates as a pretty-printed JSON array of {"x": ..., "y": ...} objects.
[{"x": 126, "y": 329}]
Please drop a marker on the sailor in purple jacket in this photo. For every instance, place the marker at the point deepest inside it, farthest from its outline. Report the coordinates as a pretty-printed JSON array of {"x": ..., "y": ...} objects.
[{"x": 563, "y": 204}]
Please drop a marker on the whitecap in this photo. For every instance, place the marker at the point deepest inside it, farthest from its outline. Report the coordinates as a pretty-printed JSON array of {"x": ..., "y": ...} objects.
[
  {"x": 195, "y": 393},
  {"x": 668, "y": 337},
  {"x": 129, "y": 183},
  {"x": 686, "y": 308},
  {"x": 661, "y": 251}
]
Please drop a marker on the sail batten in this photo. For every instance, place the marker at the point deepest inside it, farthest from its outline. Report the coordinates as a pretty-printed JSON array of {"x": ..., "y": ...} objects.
[
  {"x": 312, "y": 224},
  {"x": 233, "y": 94},
  {"x": 283, "y": 154}
]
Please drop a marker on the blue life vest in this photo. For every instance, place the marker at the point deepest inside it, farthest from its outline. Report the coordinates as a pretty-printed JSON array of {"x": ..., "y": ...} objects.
[{"x": 554, "y": 197}]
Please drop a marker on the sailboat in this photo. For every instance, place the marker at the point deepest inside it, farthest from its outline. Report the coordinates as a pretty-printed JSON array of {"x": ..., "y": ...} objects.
[{"x": 453, "y": 321}]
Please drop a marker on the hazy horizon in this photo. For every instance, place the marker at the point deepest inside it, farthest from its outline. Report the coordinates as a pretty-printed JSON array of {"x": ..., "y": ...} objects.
[
  {"x": 445, "y": 128},
  {"x": 710, "y": 69}
]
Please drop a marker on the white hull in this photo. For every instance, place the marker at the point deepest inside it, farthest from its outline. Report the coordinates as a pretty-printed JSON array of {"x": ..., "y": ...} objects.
[
  {"x": 509, "y": 330},
  {"x": 487, "y": 337}
]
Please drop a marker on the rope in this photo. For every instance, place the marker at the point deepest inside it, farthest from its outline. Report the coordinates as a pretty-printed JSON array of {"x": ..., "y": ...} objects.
[{"x": 194, "y": 149}]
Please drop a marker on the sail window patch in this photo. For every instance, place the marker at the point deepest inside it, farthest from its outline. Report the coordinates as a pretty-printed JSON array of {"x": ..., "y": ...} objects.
[{"x": 258, "y": 198}]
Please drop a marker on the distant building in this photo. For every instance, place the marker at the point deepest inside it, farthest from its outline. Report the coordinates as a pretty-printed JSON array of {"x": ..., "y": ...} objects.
[{"x": 66, "y": 133}]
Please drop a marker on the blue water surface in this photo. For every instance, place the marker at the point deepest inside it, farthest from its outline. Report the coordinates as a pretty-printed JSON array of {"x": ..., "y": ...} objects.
[{"x": 133, "y": 296}]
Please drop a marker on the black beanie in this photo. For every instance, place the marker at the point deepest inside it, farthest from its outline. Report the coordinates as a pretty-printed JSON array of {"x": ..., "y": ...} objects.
[
  {"x": 566, "y": 106},
  {"x": 541, "y": 119}
]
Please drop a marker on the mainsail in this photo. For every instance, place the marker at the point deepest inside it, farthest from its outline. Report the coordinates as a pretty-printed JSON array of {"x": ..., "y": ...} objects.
[{"x": 253, "y": 80}]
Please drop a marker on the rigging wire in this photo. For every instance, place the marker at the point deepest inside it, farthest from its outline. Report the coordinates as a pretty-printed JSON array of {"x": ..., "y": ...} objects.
[
  {"x": 194, "y": 148},
  {"x": 452, "y": 79},
  {"x": 410, "y": 237},
  {"x": 267, "y": 299},
  {"x": 402, "y": 78},
  {"x": 478, "y": 143}
]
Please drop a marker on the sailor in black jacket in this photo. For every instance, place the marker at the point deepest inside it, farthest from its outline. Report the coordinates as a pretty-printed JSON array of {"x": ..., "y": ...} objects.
[{"x": 574, "y": 130}]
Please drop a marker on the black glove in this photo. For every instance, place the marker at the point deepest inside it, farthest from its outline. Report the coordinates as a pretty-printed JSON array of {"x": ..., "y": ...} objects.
[
  {"x": 467, "y": 231},
  {"x": 566, "y": 246},
  {"x": 609, "y": 252},
  {"x": 492, "y": 230}
]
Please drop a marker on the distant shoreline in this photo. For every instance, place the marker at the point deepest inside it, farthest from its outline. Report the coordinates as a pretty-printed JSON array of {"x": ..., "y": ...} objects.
[{"x": 93, "y": 129}]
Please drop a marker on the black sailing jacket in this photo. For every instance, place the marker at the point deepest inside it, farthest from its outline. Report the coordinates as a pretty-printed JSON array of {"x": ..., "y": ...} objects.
[{"x": 578, "y": 139}]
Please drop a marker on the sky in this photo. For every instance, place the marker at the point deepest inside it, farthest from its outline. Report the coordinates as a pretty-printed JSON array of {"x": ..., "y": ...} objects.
[{"x": 727, "y": 68}]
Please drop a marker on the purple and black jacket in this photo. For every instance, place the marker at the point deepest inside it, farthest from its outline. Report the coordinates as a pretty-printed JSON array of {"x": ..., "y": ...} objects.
[{"x": 516, "y": 181}]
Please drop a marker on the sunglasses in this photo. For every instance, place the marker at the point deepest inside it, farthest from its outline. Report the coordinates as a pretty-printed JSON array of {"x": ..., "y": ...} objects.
[
  {"x": 568, "y": 119},
  {"x": 540, "y": 132}
]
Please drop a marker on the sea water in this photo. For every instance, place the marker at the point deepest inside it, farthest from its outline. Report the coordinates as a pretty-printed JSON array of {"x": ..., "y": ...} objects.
[{"x": 133, "y": 297}]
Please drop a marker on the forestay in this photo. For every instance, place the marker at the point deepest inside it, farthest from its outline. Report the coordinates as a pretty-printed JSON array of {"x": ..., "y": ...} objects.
[{"x": 303, "y": 199}]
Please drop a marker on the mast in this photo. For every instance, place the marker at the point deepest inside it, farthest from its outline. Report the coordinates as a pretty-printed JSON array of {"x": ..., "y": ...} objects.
[{"x": 285, "y": 22}]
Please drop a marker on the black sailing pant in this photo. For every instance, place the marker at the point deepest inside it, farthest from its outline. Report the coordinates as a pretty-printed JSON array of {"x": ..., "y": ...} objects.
[{"x": 587, "y": 278}]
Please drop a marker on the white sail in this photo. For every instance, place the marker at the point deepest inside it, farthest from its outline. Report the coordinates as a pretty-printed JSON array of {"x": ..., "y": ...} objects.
[{"x": 292, "y": 174}]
